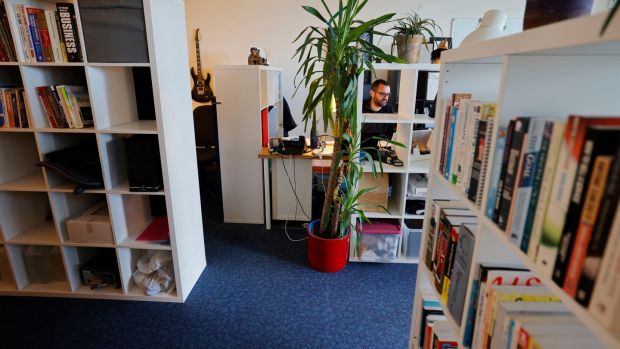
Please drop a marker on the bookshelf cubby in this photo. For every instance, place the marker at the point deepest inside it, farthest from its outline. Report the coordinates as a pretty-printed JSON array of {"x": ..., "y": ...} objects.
[
  {"x": 148, "y": 96},
  {"x": 404, "y": 89},
  {"x": 549, "y": 72}
]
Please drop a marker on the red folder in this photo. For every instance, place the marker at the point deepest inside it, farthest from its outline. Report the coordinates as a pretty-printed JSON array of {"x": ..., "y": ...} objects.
[
  {"x": 157, "y": 231},
  {"x": 264, "y": 116}
]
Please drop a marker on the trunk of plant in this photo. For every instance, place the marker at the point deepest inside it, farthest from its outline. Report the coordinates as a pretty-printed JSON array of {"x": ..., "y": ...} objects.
[{"x": 330, "y": 214}]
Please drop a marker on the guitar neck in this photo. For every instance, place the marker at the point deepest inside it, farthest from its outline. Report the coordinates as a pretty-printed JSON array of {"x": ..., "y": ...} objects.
[{"x": 198, "y": 60}]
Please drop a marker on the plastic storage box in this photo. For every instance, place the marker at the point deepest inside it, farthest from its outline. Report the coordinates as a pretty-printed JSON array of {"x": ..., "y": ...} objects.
[{"x": 378, "y": 240}]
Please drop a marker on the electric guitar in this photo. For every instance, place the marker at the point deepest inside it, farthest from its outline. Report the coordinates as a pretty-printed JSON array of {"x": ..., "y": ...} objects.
[{"x": 201, "y": 92}]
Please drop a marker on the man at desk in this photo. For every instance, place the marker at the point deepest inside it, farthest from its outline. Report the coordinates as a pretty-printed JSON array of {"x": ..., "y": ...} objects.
[{"x": 377, "y": 103}]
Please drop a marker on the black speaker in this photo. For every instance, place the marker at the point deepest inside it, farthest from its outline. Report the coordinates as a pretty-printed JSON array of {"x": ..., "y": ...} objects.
[{"x": 143, "y": 163}]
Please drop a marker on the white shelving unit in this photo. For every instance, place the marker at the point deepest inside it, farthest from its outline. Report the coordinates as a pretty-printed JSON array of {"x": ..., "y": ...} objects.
[
  {"x": 552, "y": 72},
  {"x": 404, "y": 118},
  {"x": 35, "y": 203},
  {"x": 244, "y": 91}
]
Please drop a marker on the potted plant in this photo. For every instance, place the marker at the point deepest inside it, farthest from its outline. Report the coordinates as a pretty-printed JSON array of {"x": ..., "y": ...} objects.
[
  {"x": 332, "y": 59},
  {"x": 410, "y": 33}
]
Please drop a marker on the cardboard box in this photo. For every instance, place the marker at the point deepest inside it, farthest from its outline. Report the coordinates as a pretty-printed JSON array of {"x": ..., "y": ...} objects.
[
  {"x": 91, "y": 226},
  {"x": 379, "y": 196}
]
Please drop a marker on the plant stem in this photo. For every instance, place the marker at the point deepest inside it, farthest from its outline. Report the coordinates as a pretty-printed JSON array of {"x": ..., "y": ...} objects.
[{"x": 329, "y": 194}]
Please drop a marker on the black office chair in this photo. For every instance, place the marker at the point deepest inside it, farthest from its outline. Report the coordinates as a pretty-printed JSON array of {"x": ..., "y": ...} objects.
[{"x": 205, "y": 129}]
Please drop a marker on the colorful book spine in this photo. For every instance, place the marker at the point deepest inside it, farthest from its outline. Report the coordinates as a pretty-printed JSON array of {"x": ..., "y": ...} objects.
[
  {"x": 592, "y": 204},
  {"x": 545, "y": 188},
  {"x": 68, "y": 26},
  {"x": 34, "y": 33},
  {"x": 536, "y": 185},
  {"x": 460, "y": 272},
  {"x": 524, "y": 188},
  {"x": 504, "y": 166},
  {"x": 600, "y": 234},
  {"x": 24, "y": 31},
  {"x": 44, "y": 35},
  {"x": 496, "y": 169},
  {"x": 452, "y": 130},
  {"x": 598, "y": 140}
]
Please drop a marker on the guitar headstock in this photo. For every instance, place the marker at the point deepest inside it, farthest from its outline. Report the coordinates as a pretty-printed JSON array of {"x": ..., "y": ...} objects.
[{"x": 197, "y": 36}]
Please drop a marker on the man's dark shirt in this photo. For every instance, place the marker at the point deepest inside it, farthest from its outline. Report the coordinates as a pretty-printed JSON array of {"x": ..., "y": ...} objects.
[{"x": 374, "y": 129}]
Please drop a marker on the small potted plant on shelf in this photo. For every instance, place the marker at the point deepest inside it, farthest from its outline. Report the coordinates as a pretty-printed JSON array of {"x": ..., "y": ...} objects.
[
  {"x": 410, "y": 34},
  {"x": 332, "y": 59}
]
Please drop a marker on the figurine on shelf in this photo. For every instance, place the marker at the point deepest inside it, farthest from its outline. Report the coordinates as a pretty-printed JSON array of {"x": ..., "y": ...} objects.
[{"x": 256, "y": 57}]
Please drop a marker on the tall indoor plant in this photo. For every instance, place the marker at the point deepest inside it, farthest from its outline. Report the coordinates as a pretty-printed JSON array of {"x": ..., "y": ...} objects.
[
  {"x": 333, "y": 57},
  {"x": 410, "y": 34}
]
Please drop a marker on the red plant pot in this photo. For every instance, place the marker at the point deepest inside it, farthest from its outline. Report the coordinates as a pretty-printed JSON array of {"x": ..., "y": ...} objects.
[{"x": 326, "y": 255}]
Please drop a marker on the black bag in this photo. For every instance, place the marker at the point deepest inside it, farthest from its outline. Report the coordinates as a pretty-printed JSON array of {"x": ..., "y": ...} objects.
[{"x": 79, "y": 163}]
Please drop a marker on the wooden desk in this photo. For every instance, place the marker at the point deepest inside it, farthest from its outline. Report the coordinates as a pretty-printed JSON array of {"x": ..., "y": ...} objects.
[{"x": 266, "y": 156}]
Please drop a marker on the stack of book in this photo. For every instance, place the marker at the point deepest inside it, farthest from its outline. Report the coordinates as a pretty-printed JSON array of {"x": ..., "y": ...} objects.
[
  {"x": 47, "y": 35},
  {"x": 435, "y": 331},
  {"x": 66, "y": 106},
  {"x": 12, "y": 107},
  {"x": 553, "y": 188},
  {"x": 7, "y": 47}
]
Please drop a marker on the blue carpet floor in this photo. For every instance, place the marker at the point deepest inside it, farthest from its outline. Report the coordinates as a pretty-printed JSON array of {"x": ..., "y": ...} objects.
[{"x": 256, "y": 292}]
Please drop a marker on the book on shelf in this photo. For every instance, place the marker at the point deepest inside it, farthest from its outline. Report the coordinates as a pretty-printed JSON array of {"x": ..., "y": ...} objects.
[
  {"x": 508, "y": 313},
  {"x": 12, "y": 107},
  {"x": 495, "y": 294},
  {"x": 482, "y": 148},
  {"x": 532, "y": 233},
  {"x": 496, "y": 169},
  {"x": 600, "y": 234},
  {"x": 561, "y": 192},
  {"x": 436, "y": 211},
  {"x": 598, "y": 140},
  {"x": 443, "y": 336},
  {"x": 513, "y": 171},
  {"x": 7, "y": 49},
  {"x": 605, "y": 300},
  {"x": 538, "y": 139},
  {"x": 431, "y": 311},
  {"x": 447, "y": 235},
  {"x": 68, "y": 26},
  {"x": 500, "y": 275},
  {"x": 44, "y": 36},
  {"x": 457, "y": 282},
  {"x": 66, "y": 106}
]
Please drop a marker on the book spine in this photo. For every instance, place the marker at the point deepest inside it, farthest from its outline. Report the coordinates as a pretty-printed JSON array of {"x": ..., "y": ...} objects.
[
  {"x": 476, "y": 167},
  {"x": 34, "y": 33},
  {"x": 14, "y": 107},
  {"x": 502, "y": 175},
  {"x": 443, "y": 241},
  {"x": 589, "y": 213},
  {"x": 471, "y": 142},
  {"x": 431, "y": 237},
  {"x": 545, "y": 188},
  {"x": 600, "y": 234},
  {"x": 9, "y": 38},
  {"x": 460, "y": 273},
  {"x": 22, "y": 22},
  {"x": 3, "y": 119},
  {"x": 449, "y": 263},
  {"x": 61, "y": 108},
  {"x": 46, "y": 106},
  {"x": 44, "y": 34},
  {"x": 449, "y": 163},
  {"x": 524, "y": 188},
  {"x": 596, "y": 142},
  {"x": 68, "y": 28},
  {"x": 50, "y": 20},
  {"x": 536, "y": 184},
  {"x": 463, "y": 121},
  {"x": 605, "y": 303},
  {"x": 496, "y": 169},
  {"x": 61, "y": 38},
  {"x": 444, "y": 138},
  {"x": 21, "y": 99},
  {"x": 490, "y": 111},
  {"x": 512, "y": 171}
]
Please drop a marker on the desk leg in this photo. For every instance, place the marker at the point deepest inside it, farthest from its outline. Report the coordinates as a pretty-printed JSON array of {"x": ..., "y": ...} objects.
[{"x": 267, "y": 193}]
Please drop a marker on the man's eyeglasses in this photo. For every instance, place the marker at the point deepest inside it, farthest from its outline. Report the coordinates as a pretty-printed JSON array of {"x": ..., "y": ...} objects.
[{"x": 383, "y": 94}]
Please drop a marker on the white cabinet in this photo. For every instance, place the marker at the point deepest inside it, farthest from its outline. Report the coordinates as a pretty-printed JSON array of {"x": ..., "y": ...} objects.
[
  {"x": 35, "y": 203},
  {"x": 405, "y": 119},
  {"x": 244, "y": 91},
  {"x": 552, "y": 72}
]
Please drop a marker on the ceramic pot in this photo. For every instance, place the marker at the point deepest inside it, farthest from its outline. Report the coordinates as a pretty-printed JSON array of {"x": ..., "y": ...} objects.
[
  {"x": 327, "y": 255},
  {"x": 541, "y": 12},
  {"x": 409, "y": 47}
]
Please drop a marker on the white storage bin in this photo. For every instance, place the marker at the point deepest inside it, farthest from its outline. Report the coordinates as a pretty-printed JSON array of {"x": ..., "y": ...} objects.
[{"x": 378, "y": 241}]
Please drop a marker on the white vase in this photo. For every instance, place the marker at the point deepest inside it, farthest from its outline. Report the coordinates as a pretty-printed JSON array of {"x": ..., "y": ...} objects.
[{"x": 409, "y": 47}]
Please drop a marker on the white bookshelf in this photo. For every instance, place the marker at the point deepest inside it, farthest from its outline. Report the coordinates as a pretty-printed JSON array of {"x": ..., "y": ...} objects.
[
  {"x": 551, "y": 71},
  {"x": 405, "y": 118},
  {"x": 243, "y": 91},
  {"x": 35, "y": 203}
]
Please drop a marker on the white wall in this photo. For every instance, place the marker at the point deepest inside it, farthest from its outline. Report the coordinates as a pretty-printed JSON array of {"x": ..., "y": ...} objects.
[{"x": 229, "y": 28}]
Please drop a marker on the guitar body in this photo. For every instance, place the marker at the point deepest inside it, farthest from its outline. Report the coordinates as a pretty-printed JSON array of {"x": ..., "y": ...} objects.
[{"x": 201, "y": 91}]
